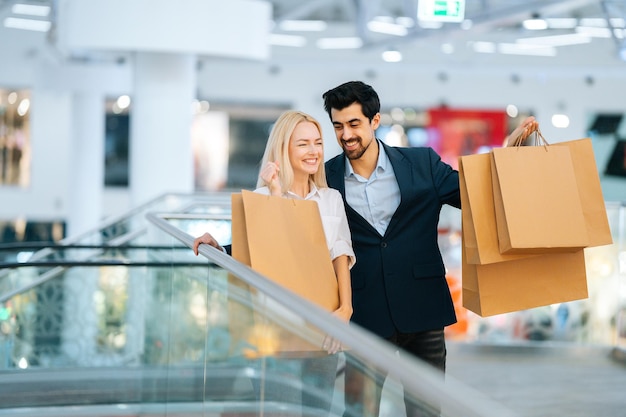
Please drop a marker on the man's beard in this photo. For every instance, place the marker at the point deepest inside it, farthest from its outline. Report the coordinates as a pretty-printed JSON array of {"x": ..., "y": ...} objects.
[{"x": 358, "y": 152}]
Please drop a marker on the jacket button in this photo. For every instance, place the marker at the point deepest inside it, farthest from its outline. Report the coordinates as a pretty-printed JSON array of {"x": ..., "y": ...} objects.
[{"x": 383, "y": 245}]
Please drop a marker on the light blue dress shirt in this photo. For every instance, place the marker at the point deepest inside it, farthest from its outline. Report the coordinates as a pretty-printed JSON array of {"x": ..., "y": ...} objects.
[{"x": 375, "y": 198}]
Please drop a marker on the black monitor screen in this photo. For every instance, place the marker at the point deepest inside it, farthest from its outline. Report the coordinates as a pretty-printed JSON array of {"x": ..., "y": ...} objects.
[
  {"x": 617, "y": 162},
  {"x": 606, "y": 123}
]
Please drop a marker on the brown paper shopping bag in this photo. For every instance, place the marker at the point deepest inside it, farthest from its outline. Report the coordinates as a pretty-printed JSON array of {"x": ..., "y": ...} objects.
[
  {"x": 590, "y": 191},
  {"x": 478, "y": 219},
  {"x": 537, "y": 204},
  {"x": 282, "y": 239},
  {"x": 525, "y": 283}
]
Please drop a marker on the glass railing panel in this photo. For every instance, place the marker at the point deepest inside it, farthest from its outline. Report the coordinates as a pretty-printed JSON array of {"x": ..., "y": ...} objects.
[
  {"x": 287, "y": 369},
  {"x": 18, "y": 277},
  {"x": 106, "y": 315},
  {"x": 275, "y": 337}
]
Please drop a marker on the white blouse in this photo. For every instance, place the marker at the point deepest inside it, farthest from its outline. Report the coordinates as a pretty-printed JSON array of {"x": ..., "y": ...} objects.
[{"x": 334, "y": 219}]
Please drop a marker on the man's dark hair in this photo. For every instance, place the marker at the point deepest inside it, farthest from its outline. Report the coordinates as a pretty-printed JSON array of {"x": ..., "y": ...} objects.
[{"x": 349, "y": 93}]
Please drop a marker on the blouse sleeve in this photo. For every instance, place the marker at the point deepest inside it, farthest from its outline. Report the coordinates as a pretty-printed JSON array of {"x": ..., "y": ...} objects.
[{"x": 342, "y": 244}]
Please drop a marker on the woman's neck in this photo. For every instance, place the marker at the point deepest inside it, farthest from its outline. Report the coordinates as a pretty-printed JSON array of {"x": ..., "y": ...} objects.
[{"x": 301, "y": 186}]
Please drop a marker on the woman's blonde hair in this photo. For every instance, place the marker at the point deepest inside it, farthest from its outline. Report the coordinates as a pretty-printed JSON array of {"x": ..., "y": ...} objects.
[{"x": 277, "y": 149}]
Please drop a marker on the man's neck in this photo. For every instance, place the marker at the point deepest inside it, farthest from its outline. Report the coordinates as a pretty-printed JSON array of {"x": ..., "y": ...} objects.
[{"x": 366, "y": 164}]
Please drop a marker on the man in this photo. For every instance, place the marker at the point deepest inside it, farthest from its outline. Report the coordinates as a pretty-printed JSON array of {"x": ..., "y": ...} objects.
[{"x": 393, "y": 199}]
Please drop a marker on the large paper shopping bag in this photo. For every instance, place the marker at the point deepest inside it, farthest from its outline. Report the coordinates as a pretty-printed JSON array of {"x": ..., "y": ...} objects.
[
  {"x": 537, "y": 204},
  {"x": 590, "y": 191},
  {"x": 525, "y": 283},
  {"x": 282, "y": 239},
  {"x": 478, "y": 219}
]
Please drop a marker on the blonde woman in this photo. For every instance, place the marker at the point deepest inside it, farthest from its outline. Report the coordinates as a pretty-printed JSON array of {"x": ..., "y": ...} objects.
[{"x": 293, "y": 167}]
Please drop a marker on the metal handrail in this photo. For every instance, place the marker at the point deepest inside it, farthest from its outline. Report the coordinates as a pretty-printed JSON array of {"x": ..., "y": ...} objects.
[{"x": 459, "y": 399}]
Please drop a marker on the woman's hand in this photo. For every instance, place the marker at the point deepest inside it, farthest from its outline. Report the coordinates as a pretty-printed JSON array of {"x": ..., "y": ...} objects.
[
  {"x": 269, "y": 174},
  {"x": 206, "y": 239},
  {"x": 332, "y": 345},
  {"x": 521, "y": 132}
]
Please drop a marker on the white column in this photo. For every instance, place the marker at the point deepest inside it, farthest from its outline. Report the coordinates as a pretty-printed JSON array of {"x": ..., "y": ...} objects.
[
  {"x": 161, "y": 157},
  {"x": 87, "y": 173}
]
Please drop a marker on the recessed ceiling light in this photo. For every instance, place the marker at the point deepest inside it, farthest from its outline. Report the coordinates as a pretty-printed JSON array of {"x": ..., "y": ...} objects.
[
  {"x": 30, "y": 9},
  {"x": 557, "y": 40},
  {"x": 392, "y": 56},
  {"x": 594, "y": 32},
  {"x": 535, "y": 24},
  {"x": 522, "y": 49},
  {"x": 387, "y": 28},
  {"x": 27, "y": 24},
  {"x": 339, "y": 43},
  {"x": 562, "y": 23}
]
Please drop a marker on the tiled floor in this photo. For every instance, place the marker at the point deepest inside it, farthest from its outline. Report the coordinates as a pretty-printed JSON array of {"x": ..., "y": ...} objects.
[{"x": 544, "y": 380}]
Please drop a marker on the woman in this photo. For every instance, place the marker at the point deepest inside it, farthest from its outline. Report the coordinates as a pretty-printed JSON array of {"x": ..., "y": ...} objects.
[{"x": 293, "y": 167}]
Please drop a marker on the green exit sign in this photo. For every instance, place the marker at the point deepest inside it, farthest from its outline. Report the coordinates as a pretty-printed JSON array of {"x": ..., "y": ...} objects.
[{"x": 441, "y": 10}]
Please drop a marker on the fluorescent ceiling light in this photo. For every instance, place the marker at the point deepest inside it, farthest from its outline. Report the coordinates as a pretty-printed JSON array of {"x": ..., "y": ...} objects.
[
  {"x": 303, "y": 25},
  {"x": 339, "y": 43},
  {"x": 556, "y": 40},
  {"x": 387, "y": 28},
  {"x": 594, "y": 32},
  {"x": 560, "y": 120},
  {"x": 287, "y": 40},
  {"x": 27, "y": 24},
  {"x": 596, "y": 22},
  {"x": 521, "y": 49},
  {"x": 535, "y": 24},
  {"x": 31, "y": 9},
  {"x": 405, "y": 21},
  {"x": 562, "y": 23},
  {"x": 392, "y": 56}
]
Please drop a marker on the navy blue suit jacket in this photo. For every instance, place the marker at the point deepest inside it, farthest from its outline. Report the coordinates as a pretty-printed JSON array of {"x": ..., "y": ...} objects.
[{"x": 398, "y": 282}]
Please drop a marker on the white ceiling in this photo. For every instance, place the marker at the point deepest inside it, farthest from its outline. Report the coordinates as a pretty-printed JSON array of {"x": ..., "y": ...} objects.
[{"x": 496, "y": 21}]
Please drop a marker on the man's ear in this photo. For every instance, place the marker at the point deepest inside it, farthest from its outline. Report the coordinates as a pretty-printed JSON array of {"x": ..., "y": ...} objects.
[{"x": 375, "y": 121}]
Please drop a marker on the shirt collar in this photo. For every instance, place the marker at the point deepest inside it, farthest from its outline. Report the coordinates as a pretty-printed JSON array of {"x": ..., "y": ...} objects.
[
  {"x": 313, "y": 191},
  {"x": 381, "y": 164}
]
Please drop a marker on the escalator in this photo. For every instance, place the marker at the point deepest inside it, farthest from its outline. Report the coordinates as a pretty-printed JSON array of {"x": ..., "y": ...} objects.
[{"x": 126, "y": 321}]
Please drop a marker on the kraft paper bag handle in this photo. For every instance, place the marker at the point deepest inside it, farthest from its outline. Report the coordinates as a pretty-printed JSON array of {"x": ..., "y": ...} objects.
[{"x": 537, "y": 140}]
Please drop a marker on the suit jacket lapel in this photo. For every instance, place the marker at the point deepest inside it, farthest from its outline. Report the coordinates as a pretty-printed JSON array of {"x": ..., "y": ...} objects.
[{"x": 402, "y": 171}]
